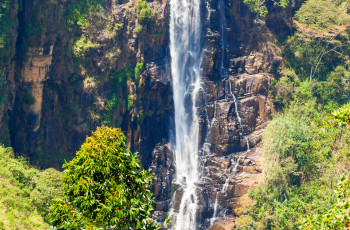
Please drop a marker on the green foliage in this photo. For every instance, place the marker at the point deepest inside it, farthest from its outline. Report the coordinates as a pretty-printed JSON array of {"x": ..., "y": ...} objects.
[
  {"x": 81, "y": 46},
  {"x": 321, "y": 15},
  {"x": 302, "y": 152},
  {"x": 118, "y": 28},
  {"x": 302, "y": 57},
  {"x": 282, "y": 90},
  {"x": 130, "y": 102},
  {"x": 47, "y": 185},
  {"x": 78, "y": 12},
  {"x": 77, "y": 18},
  {"x": 4, "y": 21},
  {"x": 25, "y": 192},
  {"x": 8, "y": 14},
  {"x": 118, "y": 79},
  {"x": 287, "y": 145},
  {"x": 259, "y": 8},
  {"x": 139, "y": 69},
  {"x": 144, "y": 13},
  {"x": 320, "y": 43},
  {"x": 336, "y": 217},
  {"x": 104, "y": 187},
  {"x": 111, "y": 107},
  {"x": 342, "y": 116},
  {"x": 329, "y": 93},
  {"x": 138, "y": 29}
]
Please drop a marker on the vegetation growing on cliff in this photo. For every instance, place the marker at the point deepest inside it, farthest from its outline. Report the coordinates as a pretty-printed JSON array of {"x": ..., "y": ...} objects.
[
  {"x": 105, "y": 187},
  {"x": 259, "y": 7},
  {"x": 303, "y": 150},
  {"x": 25, "y": 193},
  {"x": 307, "y": 143},
  {"x": 143, "y": 11},
  {"x": 8, "y": 33}
]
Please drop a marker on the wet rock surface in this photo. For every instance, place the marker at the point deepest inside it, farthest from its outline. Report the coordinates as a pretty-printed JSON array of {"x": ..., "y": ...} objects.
[
  {"x": 223, "y": 142},
  {"x": 232, "y": 68}
]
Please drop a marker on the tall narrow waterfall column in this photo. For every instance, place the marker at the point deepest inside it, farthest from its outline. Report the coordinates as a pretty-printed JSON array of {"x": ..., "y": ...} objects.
[{"x": 185, "y": 50}]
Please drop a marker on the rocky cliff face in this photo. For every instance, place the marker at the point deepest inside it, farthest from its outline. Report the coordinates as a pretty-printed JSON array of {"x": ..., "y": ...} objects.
[
  {"x": 59, "y": 90},
  {"x": 237, "y": 64},
  {"x": 121, "y": 77}
]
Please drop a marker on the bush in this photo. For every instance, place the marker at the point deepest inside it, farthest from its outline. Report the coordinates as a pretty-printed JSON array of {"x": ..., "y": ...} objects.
[
  {"x": 104, "y": 187},
  {"x": 138, "y": 70},
  {"x": 47, "y": 186},
  {"x": 138, "y": 29},
  {"x": 287, "y": 145},
  {"x": 143, "y": 11}
]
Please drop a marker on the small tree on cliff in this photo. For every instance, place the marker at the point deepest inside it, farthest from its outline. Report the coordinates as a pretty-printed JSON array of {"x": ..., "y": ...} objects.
[{"x": 105, "y": 187}]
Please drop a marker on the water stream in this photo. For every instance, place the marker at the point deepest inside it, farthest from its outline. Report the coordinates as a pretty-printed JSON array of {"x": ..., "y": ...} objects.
[
  {"x": 235, "y": 163},
  {"x": 185, "y": 51}
]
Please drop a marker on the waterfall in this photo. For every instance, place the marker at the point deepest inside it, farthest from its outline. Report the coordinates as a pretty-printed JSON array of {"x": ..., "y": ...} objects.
[
  {"x": 185, "y": 51},
  {"x": 238, "y": 116},
  {"x": 235, "y": 164}
]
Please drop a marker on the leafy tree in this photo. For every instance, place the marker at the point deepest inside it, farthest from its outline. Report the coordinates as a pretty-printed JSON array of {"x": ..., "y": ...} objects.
[
  {"x": 322, "y": 27},
  {"x": 105, "y": 187}
]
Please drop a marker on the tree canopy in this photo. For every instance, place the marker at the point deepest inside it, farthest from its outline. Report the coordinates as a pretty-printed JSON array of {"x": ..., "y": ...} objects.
[{"x": 104, "y": 187}]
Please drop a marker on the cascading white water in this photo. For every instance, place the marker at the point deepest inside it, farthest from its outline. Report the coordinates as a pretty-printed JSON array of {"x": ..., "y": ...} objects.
[
  {"x": 185, "y": 51},
  {"x": 235, "y": 164},
  {"x": 238, "y": 116}
]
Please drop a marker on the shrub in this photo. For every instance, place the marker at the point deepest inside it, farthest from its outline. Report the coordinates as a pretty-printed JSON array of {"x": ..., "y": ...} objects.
[
  {"x": 138, "y": 29},
  {"x": 287, "y": 145},
  {"x": 82, "y": 45},
  {"x": 138, "y": 70},
  {"x": 143, "y": 11}
]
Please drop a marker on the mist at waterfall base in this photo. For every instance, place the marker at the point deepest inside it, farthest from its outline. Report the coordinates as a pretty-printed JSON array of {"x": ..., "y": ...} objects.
[{"x": 185, "y": 51}]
